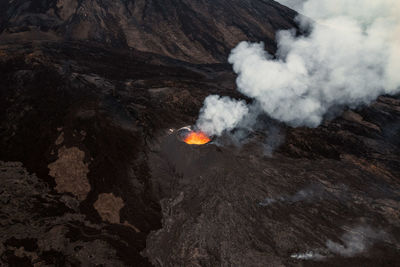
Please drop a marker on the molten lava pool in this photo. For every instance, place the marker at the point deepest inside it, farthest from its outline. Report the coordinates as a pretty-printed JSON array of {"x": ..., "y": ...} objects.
[{"x": 196, "y": 138}]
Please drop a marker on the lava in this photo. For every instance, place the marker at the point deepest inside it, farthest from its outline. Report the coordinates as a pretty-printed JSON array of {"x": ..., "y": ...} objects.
[{"x": 196, "y": 138}]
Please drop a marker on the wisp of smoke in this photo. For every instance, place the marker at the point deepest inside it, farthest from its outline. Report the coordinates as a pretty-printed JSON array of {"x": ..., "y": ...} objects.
[
  {"x": 350, "y": 57},
  {"x": 309, "y": 193},
  {"x": 274, "y": 139},
  {"x": 309, "y": 255},
  {"x": 355, "y": 241}
]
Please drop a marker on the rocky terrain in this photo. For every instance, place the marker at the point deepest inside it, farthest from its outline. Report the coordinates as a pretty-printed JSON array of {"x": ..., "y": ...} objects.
[
  {"x": 92, "y": 173},
  {"x": 202, "y": 31}
]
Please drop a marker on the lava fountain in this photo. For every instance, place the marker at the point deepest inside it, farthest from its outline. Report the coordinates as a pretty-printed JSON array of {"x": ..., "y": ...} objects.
[{"x": 193, "y": 137}]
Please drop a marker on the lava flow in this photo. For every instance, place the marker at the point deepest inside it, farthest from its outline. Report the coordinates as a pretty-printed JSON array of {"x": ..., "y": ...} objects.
[{"x": 196, "y": 138}]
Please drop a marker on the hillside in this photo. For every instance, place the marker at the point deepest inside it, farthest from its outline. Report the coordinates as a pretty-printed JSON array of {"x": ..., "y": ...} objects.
[{"x": 198, "y": 31}]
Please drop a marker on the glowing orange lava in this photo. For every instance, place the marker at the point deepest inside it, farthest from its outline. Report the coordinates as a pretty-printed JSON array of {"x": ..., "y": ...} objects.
[{"x": 196, "y": 138}]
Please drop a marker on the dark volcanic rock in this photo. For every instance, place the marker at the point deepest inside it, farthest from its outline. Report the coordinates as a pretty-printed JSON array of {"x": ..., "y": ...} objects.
[
  {"x": 39, "y": 228},
  {"x": 92, "y": 174},
  {"x": 94, "y": 125},
  {"x": 237, "y": 207},
  {"x": 199, "y": 31},
  {"x": 80, "y": 118}
]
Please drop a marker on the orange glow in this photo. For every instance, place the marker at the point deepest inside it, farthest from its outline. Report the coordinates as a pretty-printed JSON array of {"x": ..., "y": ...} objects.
[{"x": 196, "y": 138}]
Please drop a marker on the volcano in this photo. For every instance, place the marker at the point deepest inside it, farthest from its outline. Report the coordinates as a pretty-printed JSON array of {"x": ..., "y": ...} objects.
[{"x": 90, "y": 174}]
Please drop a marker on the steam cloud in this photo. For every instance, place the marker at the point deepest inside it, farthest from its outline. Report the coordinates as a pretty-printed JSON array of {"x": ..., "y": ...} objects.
[
  {"x": 221, "y": 113},
  {"x": 350, "y": 57}
]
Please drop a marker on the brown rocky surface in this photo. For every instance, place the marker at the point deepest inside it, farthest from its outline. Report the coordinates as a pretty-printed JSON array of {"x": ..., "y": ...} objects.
[
  {"x": 332, "y": 192},
  {"x": 199, "y": 31},
  {"x": 108, "y": 207},
  {"x": 37, "y": 229},
  {"x": 70, "y": 172}
]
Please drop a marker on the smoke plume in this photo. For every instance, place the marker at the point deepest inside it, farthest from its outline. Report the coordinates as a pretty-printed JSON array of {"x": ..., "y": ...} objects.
[
  {"x": 274, "y": 140},
  {"x": 221, "y": 113},
  {"x": 356, "y": 241},
  {"x": 309, "y": 255},
  {"x": 350, "y": 57}
]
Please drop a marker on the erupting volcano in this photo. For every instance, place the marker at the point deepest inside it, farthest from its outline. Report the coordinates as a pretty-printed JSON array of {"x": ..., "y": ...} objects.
[
  {"x": 199, "y": 133},
  {"x": 193, "y": 137}
]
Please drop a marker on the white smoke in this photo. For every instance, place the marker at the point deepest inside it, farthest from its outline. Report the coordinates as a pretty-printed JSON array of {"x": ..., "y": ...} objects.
[
  {"x": 350, "y": 57},
  {"x": 309, "y": 255},
  {"x": 221, "y": 113},
  {"x": 356, "y": 241}
]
